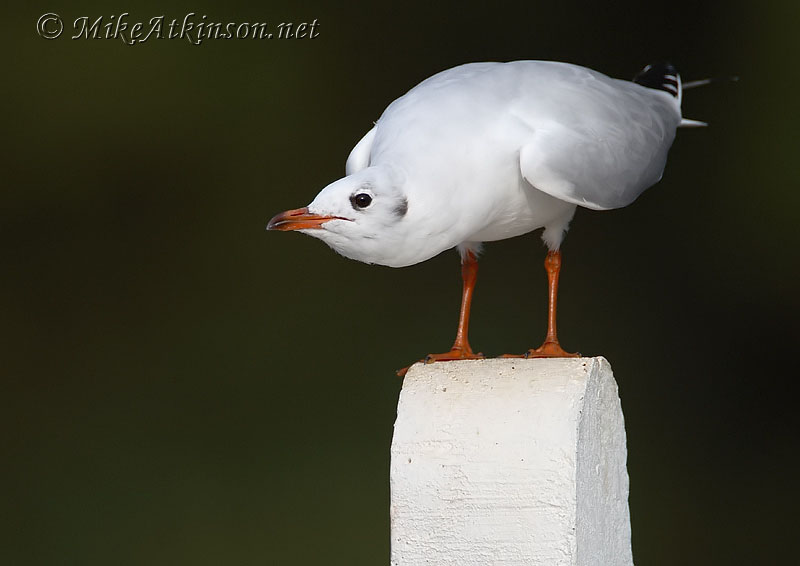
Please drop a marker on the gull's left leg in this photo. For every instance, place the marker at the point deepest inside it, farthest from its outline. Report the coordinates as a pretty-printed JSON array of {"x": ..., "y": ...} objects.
[
  {"x": 550, "y": 348},
  {"x": 461, "y": 349}
]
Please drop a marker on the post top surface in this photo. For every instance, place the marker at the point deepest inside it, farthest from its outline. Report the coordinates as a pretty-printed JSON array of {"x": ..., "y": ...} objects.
[{"x": 500, "y": 365}]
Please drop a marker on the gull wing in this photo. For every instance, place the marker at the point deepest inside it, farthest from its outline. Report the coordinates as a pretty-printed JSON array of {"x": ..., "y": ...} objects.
[
  {"x": 359, "y": 156},
  {"x": 602, "y": 151}
]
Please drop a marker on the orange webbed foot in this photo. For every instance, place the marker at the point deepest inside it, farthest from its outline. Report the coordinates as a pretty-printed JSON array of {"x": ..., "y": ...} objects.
[
  {"x": 453, "y": 354},
  {"x": 549, "y": 349}
]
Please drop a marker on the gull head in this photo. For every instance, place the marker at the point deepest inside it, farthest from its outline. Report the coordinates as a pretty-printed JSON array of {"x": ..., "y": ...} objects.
[{"x": 362, "y": 216}]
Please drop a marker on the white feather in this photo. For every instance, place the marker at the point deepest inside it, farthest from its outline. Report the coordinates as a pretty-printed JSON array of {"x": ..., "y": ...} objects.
[
  {"x": 359, "y": 156},
  {"x": 488, "y": 151}
]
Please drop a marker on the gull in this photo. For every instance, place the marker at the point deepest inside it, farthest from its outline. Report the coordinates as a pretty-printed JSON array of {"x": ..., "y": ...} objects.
[{"x": 488, "y": 151}]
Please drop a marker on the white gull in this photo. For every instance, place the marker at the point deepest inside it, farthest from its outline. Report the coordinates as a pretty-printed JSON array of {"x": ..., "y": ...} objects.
[{"x": 489, "y": 151}]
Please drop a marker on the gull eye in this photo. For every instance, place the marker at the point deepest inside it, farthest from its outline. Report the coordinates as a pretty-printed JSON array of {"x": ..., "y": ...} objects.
[{"x": 361, "y": 200}]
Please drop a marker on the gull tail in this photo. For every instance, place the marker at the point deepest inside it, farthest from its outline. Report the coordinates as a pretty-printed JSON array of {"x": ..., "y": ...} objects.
[
  {"x": 686, "y": 123},
  {"x": 664, "y": 76}
]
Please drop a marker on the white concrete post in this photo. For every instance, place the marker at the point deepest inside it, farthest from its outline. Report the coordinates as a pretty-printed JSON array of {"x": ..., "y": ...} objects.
[{"x": 510, "y": 462}]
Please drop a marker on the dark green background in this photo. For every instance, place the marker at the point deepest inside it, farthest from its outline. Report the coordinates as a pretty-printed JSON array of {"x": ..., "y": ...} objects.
[{"x": 181, "y": 387}]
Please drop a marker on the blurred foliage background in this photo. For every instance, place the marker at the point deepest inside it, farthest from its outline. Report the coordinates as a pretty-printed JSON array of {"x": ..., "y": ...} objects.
[{"x": 181, "y": 387}]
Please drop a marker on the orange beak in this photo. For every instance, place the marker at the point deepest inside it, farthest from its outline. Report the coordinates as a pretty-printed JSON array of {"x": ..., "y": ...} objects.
[{"x": 299, "y": 219}]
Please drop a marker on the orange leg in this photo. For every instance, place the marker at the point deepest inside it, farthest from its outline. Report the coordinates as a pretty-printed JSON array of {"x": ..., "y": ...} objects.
[
  {"x": 461, "y": 349},
  {"x": 550, "y": 348}
]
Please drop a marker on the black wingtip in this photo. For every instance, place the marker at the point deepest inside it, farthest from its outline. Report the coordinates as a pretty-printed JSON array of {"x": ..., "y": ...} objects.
[{"x": 661, "y": 76}]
